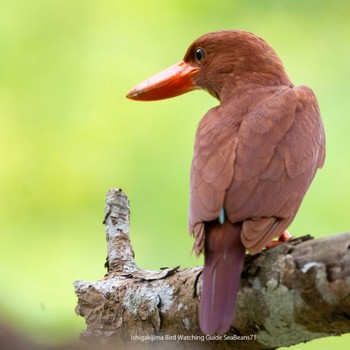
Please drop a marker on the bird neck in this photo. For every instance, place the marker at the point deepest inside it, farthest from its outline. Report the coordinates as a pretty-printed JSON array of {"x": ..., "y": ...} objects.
[
  {"x": 245, "y": 82},
  {"x": 244, "y": 70}
]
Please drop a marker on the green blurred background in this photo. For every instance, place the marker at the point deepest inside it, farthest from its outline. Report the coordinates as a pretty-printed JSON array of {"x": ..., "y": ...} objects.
[{"x": 67, "y": 134}]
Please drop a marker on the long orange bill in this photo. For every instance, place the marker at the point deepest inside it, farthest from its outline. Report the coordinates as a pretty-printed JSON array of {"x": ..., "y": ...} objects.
[{"x": 171, "y": 82}]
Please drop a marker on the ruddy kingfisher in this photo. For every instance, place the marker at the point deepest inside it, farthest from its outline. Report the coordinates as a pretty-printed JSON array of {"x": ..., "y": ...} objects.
[{"x": 255, "y": 155}]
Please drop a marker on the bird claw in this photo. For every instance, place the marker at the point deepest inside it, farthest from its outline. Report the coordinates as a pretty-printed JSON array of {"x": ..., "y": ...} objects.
[{"x": 284, "y": 237}]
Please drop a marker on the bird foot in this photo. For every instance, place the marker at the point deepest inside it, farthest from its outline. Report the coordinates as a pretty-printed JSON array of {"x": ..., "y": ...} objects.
[{"x": 284, "y": 237}]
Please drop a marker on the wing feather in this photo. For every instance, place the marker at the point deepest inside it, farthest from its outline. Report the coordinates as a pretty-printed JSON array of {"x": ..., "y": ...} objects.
[
  {"x": 283, "y": 163},
  {"x": 211, "y": 172},
  {"x": 257, "y": 166}
]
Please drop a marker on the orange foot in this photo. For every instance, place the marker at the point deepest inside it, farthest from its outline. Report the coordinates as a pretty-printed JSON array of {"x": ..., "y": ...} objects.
[{"x": 284, "y": 237}]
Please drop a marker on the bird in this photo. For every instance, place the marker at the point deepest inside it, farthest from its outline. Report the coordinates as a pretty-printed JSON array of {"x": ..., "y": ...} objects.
[{"x": 255, "y": 156}]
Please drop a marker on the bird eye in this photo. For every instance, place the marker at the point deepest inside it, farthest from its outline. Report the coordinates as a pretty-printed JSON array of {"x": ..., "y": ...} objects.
[{"x": 200, "y": 54}]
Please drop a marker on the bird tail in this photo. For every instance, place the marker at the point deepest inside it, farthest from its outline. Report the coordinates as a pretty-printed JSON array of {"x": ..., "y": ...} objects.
[{"x": 224, "y": 255}]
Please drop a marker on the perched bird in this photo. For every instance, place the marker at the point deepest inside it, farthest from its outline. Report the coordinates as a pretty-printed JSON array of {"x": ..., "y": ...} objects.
[{"x": 255, "y": 155}]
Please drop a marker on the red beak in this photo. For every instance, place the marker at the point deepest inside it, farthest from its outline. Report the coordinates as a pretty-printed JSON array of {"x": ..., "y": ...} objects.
[{"x": 171, "y": 82}]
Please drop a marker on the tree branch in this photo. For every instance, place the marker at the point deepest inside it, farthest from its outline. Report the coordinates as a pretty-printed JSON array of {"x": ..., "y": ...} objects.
[{"x": 290, "y": 294}]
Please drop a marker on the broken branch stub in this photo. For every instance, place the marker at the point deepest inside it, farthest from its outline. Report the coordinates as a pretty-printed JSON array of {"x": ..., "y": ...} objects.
[{"x": 120, "y": 255}]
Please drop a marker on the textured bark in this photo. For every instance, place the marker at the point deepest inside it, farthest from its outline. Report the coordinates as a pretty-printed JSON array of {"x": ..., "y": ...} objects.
[{"x": 290, "y": 294}]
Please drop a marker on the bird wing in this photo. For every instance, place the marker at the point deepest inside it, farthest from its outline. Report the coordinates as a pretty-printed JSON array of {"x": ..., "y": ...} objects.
[
  {"x": 257, "y": 167},
  {"x": 211, "y": 173},
  {"x": 280, "y": 146}
]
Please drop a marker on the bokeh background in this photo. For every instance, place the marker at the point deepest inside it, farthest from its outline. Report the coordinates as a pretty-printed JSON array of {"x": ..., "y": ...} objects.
[{"x": 67, "y": 134}]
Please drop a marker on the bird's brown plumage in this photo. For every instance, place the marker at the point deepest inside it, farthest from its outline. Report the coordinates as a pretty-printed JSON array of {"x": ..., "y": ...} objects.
[
  {"x": 256, "y": 161},
  {"x": 255, "y": 156}
]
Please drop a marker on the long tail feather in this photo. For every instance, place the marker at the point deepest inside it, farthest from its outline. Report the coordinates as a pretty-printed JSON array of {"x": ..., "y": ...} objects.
[{"x": 224, "y": 255}]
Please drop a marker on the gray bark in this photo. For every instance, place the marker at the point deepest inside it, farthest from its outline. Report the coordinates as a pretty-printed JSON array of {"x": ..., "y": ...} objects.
[{"x": 290, "y": 294}]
